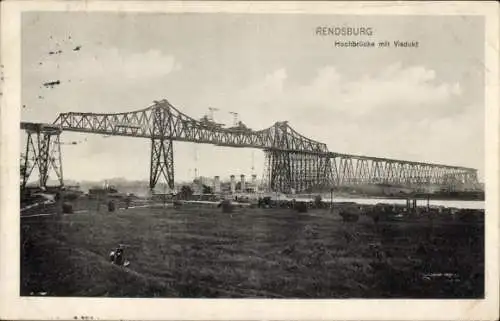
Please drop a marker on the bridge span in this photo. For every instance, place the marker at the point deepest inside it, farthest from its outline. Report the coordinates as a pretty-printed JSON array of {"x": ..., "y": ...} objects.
[{"x": 293, "y": 161}]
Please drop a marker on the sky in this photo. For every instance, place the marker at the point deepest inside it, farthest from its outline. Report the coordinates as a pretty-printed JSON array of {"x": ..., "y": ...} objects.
[{"x": 418, "y": 104}]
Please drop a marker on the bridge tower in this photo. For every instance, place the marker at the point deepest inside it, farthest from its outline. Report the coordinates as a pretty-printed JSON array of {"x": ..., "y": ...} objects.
[
  {"x": 43, "y": 150},
  {"x": 162, "y": 151},
  {"x": 278, "y": 158},
  {"x": 291, "y": 169}
]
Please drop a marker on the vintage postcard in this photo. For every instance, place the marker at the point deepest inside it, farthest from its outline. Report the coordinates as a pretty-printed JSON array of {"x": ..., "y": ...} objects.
[{"x": 249, "y": 160}]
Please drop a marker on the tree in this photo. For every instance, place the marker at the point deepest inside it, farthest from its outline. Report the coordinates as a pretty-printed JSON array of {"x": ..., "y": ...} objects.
[
  {"x": 318, "y": 201},
  {"x": 207, "y": 189},
  {"x": 186, "y": 192}
]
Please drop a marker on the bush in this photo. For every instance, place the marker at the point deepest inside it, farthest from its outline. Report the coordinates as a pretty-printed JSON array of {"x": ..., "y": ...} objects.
[
  {"x": 264, "y": 202},
  {"x": 71, "y": 197},
  {"x": 67, "y": 208},
  {"x": 301, "y": 207},
  {"x": 349, "y": 217},
  {"x": 111, "y": 206},
  {"x": 227, "y": 206},
  {"x": 318, "y": 201}
]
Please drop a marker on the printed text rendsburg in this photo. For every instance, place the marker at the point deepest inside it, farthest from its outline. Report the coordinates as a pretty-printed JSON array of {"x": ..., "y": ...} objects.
[{"x": 344, "y": 31}]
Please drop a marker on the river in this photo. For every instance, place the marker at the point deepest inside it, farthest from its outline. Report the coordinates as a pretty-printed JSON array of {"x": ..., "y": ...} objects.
[{"x": 373, "y": 201}]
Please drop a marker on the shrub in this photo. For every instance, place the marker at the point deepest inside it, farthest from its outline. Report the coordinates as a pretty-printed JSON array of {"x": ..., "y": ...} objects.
[
  {"x": 301, "y": 207},
  {"x": 349, "y": 216},
  {"x": 318, "y": 201},
  {"x": 111, "y": 206},
  {"x": 227, "y": 206},
  {"x": 67, "y": 208}
]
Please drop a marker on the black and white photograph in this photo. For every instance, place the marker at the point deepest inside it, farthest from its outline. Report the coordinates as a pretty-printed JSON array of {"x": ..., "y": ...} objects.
[{"x": 225, "y": 154}]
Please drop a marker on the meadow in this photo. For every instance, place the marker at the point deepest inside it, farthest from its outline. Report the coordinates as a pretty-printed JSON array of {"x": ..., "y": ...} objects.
[{"x": 198, "y": 252}]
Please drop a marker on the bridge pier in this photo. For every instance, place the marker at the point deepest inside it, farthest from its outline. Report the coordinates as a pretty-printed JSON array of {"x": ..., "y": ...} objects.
[
  {"x": 297, "y": 171},
  {"x": 162, "y": 149},
  {"x": 279, "y": 171},
  {"x": 162, "y": 162},
  {"x": 43, "y": 150}
]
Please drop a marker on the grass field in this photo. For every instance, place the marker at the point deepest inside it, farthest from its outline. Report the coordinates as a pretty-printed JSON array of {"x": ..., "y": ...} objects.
[{"x": 272, "y": 253}]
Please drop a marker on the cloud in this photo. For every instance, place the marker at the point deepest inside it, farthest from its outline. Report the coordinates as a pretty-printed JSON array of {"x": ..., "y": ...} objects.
[
  {"x": 271, "y": 88},
  {"x": 397, "y": 89},
  {"x": 413, "y": 90},
  {"x": 393, "y": 93},
  {"x": 398, "y": 112}
]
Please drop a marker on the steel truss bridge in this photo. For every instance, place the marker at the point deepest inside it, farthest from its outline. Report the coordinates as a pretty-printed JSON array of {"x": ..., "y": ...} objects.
[{"x": 293, "y": 161}]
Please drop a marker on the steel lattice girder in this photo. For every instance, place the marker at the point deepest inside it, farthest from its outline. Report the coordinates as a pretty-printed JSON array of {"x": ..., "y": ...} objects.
[
  {"x": 43, "y": 150},
  {"x": 300, "y": 172},
  {"x": 336, "y": 169},
  {"x": 352, "y": 170},
  {"x": 280, "y": 172},
  {"x": 181, "y": 127}
]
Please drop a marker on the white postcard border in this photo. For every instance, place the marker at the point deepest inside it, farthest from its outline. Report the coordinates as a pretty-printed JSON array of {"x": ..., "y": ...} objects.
[{"x": 14, "y": 307}]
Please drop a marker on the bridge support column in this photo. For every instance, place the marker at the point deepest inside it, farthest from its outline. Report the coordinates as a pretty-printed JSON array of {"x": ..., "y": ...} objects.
[
  {"x": 280, "y": 179},
  {"x": 310, "y": 172},
  {"x": 298, "y": 171},
  {"x": 325, "y": 174},
  {"x": 162, "y": 162},
  {"x": 43, "y": 151}
]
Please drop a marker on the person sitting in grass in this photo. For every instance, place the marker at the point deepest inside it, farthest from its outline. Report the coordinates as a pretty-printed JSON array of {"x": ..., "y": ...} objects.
[{"x": 117, "y": 256}]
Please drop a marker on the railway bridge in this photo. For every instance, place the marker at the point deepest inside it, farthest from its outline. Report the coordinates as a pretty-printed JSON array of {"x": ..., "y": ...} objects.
[{"x": 293, "y": 161}]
